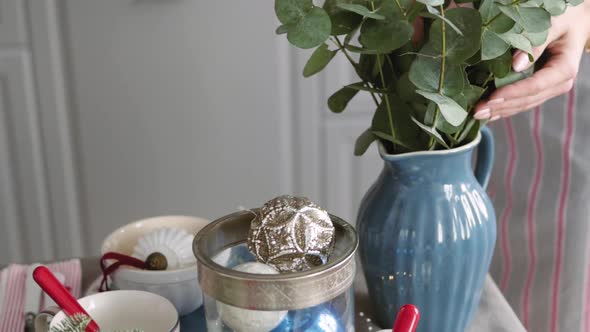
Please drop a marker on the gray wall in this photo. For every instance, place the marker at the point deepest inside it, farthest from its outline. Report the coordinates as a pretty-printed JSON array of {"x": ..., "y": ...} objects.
[{"x": 116, "y": 110}]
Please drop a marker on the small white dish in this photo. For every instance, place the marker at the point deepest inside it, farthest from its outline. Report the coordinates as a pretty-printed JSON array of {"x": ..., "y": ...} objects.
[
  {"x": 175, "y": 244},
  {"x": 180, "y": 286},
  {"x": 122, "y": 310}
]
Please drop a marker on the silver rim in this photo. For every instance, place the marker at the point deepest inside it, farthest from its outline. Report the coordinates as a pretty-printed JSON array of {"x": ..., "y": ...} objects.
[{"x": 271, "y": 292}]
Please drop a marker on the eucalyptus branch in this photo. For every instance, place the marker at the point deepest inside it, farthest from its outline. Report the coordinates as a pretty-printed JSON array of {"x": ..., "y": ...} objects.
[
  {"x": 386, "y": 98},
  {"x": 356, "y": 68},
  {"x": 443, "y": 63},
  {"x": 386, "y": 95},
  {"x": 464, "y": 76},
  {"x": 392, "y": 68},
  {"x": 400, "y": 7},
  {"x": 488, "y": 79}
]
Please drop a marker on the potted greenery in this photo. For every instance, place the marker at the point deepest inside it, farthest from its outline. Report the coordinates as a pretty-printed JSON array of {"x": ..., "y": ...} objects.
[{"x": 427, "y": 228}]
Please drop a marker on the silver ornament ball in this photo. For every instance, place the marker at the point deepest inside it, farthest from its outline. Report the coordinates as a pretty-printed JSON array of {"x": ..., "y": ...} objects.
[{"x": 291, "y": 234}]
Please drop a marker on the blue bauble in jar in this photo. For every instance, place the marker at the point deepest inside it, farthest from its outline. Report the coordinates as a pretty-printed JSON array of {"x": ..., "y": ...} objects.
[{"x": 319, "y": 299}]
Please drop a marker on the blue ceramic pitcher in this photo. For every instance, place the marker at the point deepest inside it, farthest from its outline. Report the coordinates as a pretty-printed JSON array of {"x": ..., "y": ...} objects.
[{"x": 427, "y": 231}]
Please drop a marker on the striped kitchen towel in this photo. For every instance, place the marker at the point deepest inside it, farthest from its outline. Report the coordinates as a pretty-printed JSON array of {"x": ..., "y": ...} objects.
[{"x": 12, "y": 291}]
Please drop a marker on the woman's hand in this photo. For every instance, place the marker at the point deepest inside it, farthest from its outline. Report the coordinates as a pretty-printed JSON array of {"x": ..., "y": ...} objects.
[{"x": 565, "y": 43}]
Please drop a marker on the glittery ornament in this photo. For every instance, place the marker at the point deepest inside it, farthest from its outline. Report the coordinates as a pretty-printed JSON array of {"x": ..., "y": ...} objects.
[
  {"x": 244, "y": 320},
  {"x": 291, "y": 234}
]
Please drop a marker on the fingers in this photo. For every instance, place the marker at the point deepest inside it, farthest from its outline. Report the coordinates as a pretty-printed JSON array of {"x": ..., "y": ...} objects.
[
  {"x": 552, "y": 80},
  {"x": 523, "y": 104},
  {"x": 560, "y": 68}
]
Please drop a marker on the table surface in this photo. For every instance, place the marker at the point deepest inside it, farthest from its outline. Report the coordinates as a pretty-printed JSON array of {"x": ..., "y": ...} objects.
[{"x": 494, "y": 314}]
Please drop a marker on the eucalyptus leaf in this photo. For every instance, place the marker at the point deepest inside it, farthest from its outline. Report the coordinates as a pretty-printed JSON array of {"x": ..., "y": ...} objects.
[
  {"x": 283, "y": 29},
  {"x": 361, "y": 10},
  {"x": 406, "y": 89},
  {"x": 312, "y": 30},
  {"x": 518, "y": 41},
  {"x": 469, "y": 96},
  {"x": 513, "y": 77},
  {"x": 393, "y": 9},
  {"x": 472, "y": 123},
  {"x": 575, "y": 2},
  {"x": 425, "y": 74},
  {"x": 555, "y": 7},
  {"x": 289, "y": 11},
  {"x": 435, "y": 14},
  {"x": 403, "y": 58},
  {"x": 501, "y": 65},
  {"x": 537, "y": 38},
  {"x": 343, "y": 21},
  {"x": 492, "y": 17},
  {"x": 307, "y": 25},
  {"x": 385, "y": 36},
  {"x": 458, "y": 48},
  {"x": 340, "y": 99},
  {"x": 351, "y": 34},
  {"x": 432, "y": 133},
  {"x": 318, "y": 60},
  {"x": 363, "y": 142},
  {"x": 501, "y": 24},
  {"x": 488, "y": 9},
  {"x": 532, "y": 19},
  {"x": 365, "y": 67},
  {"x": 405, "y": 134},
  {"x": 492, "y": 45},
  {"x": 432, "y": 2},
  {"x": 445, "y": 127},
  {"x": 531, "y": 3},
  {"x": 449, "y": 108}
]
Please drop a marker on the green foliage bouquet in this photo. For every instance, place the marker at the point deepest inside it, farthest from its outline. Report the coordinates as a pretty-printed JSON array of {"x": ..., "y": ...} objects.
[{"x": 424, "y": 89}]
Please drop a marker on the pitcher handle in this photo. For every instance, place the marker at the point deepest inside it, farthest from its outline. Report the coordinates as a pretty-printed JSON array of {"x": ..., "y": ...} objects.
[{"x": 485, "y": 157}]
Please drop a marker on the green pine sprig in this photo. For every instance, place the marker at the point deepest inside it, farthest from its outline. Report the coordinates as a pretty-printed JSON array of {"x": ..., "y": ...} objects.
[{"x": 78, "y": 323}]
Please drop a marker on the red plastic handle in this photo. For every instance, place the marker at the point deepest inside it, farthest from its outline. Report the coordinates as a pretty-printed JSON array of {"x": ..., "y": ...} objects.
[
  {"x": 407, "y": 319},
  {"x": 60, "y": 295}
]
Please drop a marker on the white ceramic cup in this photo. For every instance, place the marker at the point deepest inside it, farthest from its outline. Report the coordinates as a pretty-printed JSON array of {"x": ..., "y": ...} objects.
[
  {"x": 180, "y": 286},
  {"x": 121, "y": 310}
]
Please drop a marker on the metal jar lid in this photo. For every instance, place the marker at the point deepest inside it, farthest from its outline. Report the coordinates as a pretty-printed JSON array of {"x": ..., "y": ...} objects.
[{"x": 287, "y": 291}]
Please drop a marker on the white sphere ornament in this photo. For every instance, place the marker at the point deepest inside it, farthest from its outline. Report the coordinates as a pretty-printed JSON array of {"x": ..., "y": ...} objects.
[
  {"x": 245, "y": 320},
  {"x": 174, "y": 244}
]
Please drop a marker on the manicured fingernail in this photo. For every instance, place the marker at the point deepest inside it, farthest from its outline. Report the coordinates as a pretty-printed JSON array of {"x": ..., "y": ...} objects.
[
  {"x": 521, "y": 61},
  {"x": 482, "y": 114},
  {"x": 496, "y": 101},
  {"x": 494, "y": 118}
]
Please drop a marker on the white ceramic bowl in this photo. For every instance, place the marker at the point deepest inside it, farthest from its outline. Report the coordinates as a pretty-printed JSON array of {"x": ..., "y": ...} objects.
[
  {"x": 119, "y": 310},
  {"x": 179, "y": 286}
]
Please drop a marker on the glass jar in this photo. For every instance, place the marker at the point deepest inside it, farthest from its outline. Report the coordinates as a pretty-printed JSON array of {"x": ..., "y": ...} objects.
[{"x": 320, "y": 299}]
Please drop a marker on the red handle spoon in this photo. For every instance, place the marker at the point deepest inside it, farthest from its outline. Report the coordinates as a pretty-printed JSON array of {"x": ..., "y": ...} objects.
[
  {"x": 61, "y": 295},
  {"x": 407, "y": 319}
]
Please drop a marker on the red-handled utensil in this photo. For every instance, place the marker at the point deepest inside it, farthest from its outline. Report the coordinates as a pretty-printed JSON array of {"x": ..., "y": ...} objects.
[
  {"x": 407, "y": 319},
  {"x": 49, "y": 283}
]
